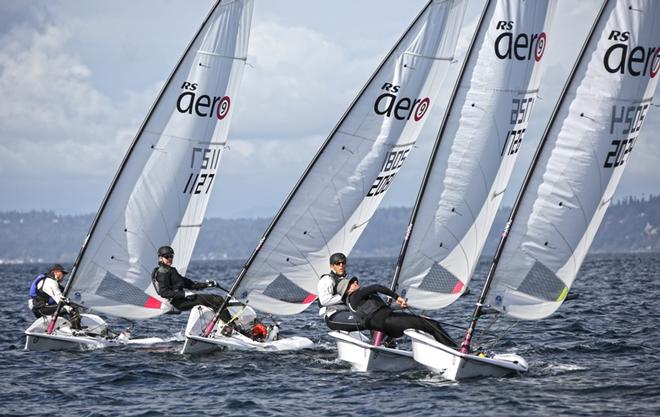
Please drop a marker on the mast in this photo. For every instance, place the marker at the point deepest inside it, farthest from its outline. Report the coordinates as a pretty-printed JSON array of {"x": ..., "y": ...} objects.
[
  {"x": 106, "y": 198},
  {"x": 209, "y": 328},
  {"x": 434, "y": 151},
  {"x": 465, "y": 345}
]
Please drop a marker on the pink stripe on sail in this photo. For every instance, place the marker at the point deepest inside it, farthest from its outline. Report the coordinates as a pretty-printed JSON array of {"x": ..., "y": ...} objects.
[{"x": 152, "y": 303}]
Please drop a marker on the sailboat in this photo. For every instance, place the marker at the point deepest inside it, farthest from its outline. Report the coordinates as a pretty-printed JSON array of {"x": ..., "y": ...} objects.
[
  {"x": 336, "y": 196},
  {"x": 469, "y": 167},
  {"x": 161, "y": 190},
  {"x": 569, "y": 184}
]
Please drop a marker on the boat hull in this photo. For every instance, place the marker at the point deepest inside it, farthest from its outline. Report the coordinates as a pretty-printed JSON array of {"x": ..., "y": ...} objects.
[
  {"x": 63, "y": 338},
  {"x": 457, "y": 366},
  {"x": 365, "y": 357},
  {"x": 197, "y": 344}
]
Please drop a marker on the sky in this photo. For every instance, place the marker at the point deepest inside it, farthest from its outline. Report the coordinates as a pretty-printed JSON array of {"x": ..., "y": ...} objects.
[{"x": 78, "y": 77}]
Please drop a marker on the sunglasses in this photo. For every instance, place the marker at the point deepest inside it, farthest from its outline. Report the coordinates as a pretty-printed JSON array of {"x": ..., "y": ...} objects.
[
  {"x": 340, "y": 263},
  {"x": 168, "y": 256}
]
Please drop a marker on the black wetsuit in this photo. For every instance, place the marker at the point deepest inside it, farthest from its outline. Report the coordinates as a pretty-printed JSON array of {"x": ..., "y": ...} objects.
[
  {"x": 377, "y": 315},
  {"x": 338, "y": 316},
  {"x": 171, "y": 285}
]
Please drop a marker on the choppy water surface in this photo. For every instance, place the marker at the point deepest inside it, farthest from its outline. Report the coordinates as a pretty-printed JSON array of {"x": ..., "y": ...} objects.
[{"x": 598, "y": 355}]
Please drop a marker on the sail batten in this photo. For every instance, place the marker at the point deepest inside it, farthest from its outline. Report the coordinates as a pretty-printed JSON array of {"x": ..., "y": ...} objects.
[{"x": 160, "y": 193}]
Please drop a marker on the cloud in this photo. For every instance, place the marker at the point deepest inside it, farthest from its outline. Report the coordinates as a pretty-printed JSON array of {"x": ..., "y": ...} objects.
[
  {"x": 298, "y": 84},
  {"x": 52, "y": 116}
]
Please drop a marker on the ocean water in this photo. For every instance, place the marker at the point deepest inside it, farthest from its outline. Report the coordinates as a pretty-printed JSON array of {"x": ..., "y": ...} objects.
[{"x": 597, "y": 356}]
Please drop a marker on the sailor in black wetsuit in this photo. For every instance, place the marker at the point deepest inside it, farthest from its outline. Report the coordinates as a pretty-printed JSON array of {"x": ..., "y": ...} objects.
[
  {"x": 171, "y": 285},
  {"x": 375, "y": 314}
]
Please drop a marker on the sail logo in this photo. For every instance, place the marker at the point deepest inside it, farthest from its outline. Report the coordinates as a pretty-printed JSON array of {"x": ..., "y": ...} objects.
[
  {"x": 637, "y": 61},
  {"x": 521, "y": 47},
  {"x": 391, "y": 166},
  {"x": 201, "y": 105},
  {"x": 390, "y": 105}
]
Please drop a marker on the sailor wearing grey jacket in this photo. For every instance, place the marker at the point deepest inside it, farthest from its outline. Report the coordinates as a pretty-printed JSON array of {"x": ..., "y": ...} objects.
[{"x": 332, "y": 306}]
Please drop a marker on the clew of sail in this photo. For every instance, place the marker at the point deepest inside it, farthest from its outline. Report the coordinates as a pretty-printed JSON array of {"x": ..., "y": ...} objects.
[
  {"x": 160, "y": 193},
  {"x": 475, "y": 153},
  {"x": 334, "y": 200},
  {"x": 587, "y": 146}
]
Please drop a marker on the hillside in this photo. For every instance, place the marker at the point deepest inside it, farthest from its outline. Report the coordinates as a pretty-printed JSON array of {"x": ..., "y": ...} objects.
[{"x": 630, "y": 225}]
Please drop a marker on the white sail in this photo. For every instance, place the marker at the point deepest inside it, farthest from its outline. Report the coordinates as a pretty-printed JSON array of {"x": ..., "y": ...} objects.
[
  {"x": 160, "y": 194},
  {"x": 476, "y": 153},
  {"x": 336, "y": 197},
  {"x": 587, "y": 146}
]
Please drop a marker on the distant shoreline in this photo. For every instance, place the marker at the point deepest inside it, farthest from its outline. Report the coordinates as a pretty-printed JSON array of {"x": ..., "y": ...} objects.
[{"x": 631, "y": 225}]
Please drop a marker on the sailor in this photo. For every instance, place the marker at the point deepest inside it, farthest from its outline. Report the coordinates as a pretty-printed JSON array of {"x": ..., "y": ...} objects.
[
  {"x": 170, "y": 285},
  {"x": 375, "y": 314},
  {"x": 46, "y": 293},
  {"x": 336, "y": 313}
]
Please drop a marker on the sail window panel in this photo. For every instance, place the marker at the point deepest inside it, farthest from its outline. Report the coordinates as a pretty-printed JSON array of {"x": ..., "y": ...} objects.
[
  {"x": 283, "y": 289},
  {"x": 542, "y": 283},
  {"x": 440, "y": 280},
  {"x": 284, "y": 259},
  {"x": 114, "y": 288}
]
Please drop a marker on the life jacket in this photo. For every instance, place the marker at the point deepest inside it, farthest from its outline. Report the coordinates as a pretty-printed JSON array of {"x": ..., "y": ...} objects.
[
  {"x": 366, "y": 310},
  {"x": 258, "y": 332},
  {"x": 38, "y": 295},
  {"x": 335, "y": 280}
]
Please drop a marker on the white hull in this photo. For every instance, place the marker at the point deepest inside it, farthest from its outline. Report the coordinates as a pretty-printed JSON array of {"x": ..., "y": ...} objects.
[
  {"x": 196, "y": 344},
  {"x": 63, "y": 338},
  {"x": 365, "y": 357},
  {"x": 457, "y": 366}
]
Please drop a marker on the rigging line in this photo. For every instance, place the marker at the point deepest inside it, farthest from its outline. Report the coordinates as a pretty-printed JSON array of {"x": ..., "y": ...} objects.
[
  {"x": 572, "y": 257},
  {"x": 483, "y": 332},
  {"x": 342, "y": 215},
  {"x": 585, "y": 218},
  {"x": 504, "y": 333},
  {"x": 459, "y": 245},
  {"x": 302, "y": 254},
  {"x": 473, "y": 222},
  {"x": 325, "y": 240}
]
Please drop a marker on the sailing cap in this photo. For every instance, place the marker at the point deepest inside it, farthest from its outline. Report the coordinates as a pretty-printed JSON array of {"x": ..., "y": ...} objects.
[
  {"x": 165, "y": 251},
  {"x": 337, "y": 257},
  {"x": 344, "y": 285},
  {"x": 57, "y": 267}
]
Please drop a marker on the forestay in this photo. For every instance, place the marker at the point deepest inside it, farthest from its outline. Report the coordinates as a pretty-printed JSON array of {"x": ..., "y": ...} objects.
[
  {"x": 587, "y": 146},
  {"x": 475, "y": 152},
  {"x": 342, "y": 187},
  {"x": 160, "y": 193}
]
